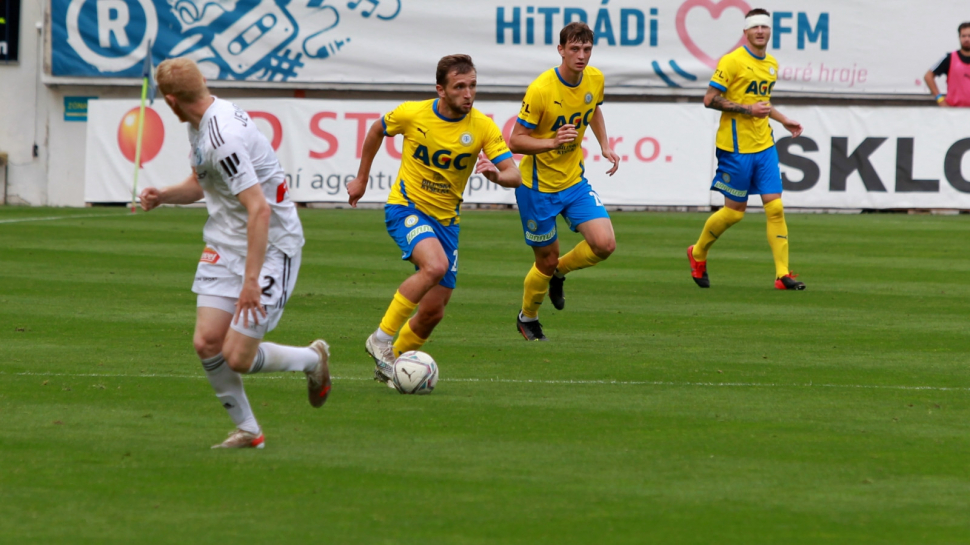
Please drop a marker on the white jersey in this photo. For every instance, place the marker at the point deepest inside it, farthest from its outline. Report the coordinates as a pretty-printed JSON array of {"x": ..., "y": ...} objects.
[{"x": 230, "y": 155}]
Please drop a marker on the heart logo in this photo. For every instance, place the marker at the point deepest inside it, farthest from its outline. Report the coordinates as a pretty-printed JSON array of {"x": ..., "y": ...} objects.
[{"x": 715, "y": 9}]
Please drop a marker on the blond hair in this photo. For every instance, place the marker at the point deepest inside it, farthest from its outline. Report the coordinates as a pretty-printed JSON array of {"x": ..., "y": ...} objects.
[{"x": 181, "y": 78}]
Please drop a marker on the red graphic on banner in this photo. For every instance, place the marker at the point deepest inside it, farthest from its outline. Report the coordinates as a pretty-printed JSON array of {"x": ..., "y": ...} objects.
[
  {"x": 274, "y": 123},
  {"x": 152, "y": 140},
  {"x": 715, "y": 9}
]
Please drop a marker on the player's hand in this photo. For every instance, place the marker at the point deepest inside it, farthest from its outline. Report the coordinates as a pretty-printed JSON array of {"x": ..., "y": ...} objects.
[
  {"x": 565, "y": 135},
  {"x": 794, "y": 127},
  {"x": 150, "y": 197},
  {"x": 486, "y": 168},
  {"x": 761, "y": 109},
  {"x": 612, "y": 157},
  {"x": 248, "y": 306},
  {"x": 356, "y": 189}
]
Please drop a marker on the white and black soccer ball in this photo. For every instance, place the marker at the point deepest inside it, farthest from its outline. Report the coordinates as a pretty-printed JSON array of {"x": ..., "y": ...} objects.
[{"x": 415, "y": 373}]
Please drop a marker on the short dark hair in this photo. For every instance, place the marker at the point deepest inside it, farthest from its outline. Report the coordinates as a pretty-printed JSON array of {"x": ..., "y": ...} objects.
[
  {"x": 576, "y": 31},
  {"x": 459, "y": 64},
  {"x": 757, "y": 11},
  {"x": 962, "y": 26}
]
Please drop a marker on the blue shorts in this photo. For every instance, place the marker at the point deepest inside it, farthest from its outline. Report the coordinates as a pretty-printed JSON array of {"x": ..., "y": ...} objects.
[
  {"x": 742, "y": 174},
  {"x": 537, "y": 210},
  {"x": 409, "y": 226}
]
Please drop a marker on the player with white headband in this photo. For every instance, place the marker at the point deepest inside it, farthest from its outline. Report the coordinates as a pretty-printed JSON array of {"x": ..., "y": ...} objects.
[{"x": 747, "y": 161}]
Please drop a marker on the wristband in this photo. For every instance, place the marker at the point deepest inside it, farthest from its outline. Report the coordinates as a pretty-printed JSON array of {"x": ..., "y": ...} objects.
[{"x": 940, "y": 98}]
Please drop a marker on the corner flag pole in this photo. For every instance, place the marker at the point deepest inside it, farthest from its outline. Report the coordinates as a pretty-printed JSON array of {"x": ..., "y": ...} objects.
[
  {"x": 147, "y": 83},
  {"x": 141, "y": 131}
]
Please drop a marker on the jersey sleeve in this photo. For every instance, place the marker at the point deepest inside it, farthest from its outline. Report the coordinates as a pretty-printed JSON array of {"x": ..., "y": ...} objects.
[
  {"x": 397, "y": 119},
  {"x": 532, "y": 105},
  {"x": 495, "y": 147},
  {"x": 723, "y": 74},
  {"x": 943, "y": 68},
  {"x": 235, "y": 164}
]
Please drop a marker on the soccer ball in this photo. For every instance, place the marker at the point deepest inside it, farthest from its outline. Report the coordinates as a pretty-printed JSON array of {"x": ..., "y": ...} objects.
[{"x": 415, "y": 373}]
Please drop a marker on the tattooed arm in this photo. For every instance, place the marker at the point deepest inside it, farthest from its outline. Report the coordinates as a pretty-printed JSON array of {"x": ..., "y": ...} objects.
[{"x": 715, "y": 101}]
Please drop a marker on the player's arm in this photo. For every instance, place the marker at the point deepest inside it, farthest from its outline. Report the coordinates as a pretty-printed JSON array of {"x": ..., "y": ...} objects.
[
  {"x": 530, "y": 116},
  {"x": 186, "y": 192},
  {"x": 930, "y": 78},
  {"x": 372, "y": 144},
  {"x": 794, "y": 127},
  {"x": 598, "y": 124},
  {"x": 523, "y": 142},
  {"x": 257, "y": 237},
  {"x": 716, "y": 101},
  {"x": 504, "y": 173}
]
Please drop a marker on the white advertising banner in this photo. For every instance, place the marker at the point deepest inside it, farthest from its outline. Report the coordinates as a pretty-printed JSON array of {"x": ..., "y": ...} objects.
[
  {"x": 877, "y": 158},
  {"x": 848, "y": 157},
  {"x": 666, "y": 151},
  {"x": 831, "y": 46}
]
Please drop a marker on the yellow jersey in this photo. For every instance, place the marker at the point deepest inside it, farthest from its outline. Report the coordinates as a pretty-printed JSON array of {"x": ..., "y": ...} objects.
[
  {"x": 744, "y": 78},
  {"x": 549, "y": 104},
  {"x": 439, "y": 155}
]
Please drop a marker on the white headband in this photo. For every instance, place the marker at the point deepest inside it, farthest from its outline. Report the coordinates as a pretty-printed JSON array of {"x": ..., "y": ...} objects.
[{"x": 757, "y": 20}]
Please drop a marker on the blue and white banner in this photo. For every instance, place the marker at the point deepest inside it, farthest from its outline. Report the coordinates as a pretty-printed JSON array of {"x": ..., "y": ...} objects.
[{"x": 831, "y": 46}]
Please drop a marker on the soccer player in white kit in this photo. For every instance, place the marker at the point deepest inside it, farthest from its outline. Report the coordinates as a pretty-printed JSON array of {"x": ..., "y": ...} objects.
[{"x": 254, "y": 241}]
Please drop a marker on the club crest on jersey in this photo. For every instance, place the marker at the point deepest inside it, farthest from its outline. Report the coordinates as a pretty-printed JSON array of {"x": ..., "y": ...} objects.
[
  {"x": 588, "y": 98},
  {"x": 209, "y": 256},
  {"x": 771, "y": 70},
  {"x": 466, "y": 139},
  {"x": 410, "y": 221},
  {"x": 531, "y": 224}
]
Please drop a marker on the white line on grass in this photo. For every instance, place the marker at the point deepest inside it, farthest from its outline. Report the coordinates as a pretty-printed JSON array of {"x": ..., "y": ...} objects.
[
  {"x": 548, "y": 382},
  {"x": 21, "y": 220}
]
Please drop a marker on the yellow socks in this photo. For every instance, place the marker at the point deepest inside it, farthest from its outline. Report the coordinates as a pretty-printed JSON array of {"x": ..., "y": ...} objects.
[
  {"x": 397, "y": 314},
  {"x": 535, "y": 287},
  {"x": 408, "y": 340},
  {"x": 580, "y": 257},
  {"x": 714, "y": 228},
  {"x": 778, "y": 236}
]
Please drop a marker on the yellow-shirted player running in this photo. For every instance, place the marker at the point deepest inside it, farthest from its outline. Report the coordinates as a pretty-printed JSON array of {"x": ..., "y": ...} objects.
[
  {"x": 443, "y": 139},
  {"x": 558, "y": 107},
  {"x": 747, "y": 161}
]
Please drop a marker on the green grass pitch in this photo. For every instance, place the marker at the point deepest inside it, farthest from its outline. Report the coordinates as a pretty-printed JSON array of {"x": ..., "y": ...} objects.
[{"x": 658, "y": 413}]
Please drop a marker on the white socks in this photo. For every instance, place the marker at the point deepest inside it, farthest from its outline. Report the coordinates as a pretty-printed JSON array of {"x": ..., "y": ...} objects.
[
  {"x": 383, "y": 337},
  {"x": 229, "y": 389},
  {"x": 272, "y": 357},
  {"x": 524, "y": 318}
]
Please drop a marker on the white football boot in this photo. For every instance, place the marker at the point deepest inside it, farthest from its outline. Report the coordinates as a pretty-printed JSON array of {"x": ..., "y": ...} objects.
[
  {"x": 318, "y": 380},
  {"x": 383, "y": 354},
  {"x": 242, "y": 439}
]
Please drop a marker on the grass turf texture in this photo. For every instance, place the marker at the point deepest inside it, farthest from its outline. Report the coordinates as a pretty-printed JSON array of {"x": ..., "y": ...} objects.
[{"x": 739, "y": 414}]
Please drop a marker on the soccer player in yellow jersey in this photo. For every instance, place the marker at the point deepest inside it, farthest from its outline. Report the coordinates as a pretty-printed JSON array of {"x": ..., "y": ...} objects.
[
  {"x": 747, "y": 161},
  {"x": 443, "y": 139},
  {"x": 558, "y": 107}
]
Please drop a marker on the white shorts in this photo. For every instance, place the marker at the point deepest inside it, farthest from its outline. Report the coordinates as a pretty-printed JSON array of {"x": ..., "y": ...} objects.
[{"x": 219, "y": 280}]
